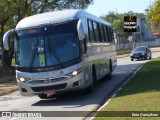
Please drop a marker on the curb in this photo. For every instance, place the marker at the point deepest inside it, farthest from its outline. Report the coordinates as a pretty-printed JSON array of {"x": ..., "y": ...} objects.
[
  {"x": 113, "y": 93},
  {"x": 124, "y": 55}
]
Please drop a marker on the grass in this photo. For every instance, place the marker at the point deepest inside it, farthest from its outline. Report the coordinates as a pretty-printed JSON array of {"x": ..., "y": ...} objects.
[
  {"x": 13, "y": 62},
  {"x": 142, "y": 93},
  {"x": 120, "y": 52}
]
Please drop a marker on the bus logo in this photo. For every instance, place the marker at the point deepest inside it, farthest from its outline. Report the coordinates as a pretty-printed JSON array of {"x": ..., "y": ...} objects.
[{"x": 47, "y": 81}]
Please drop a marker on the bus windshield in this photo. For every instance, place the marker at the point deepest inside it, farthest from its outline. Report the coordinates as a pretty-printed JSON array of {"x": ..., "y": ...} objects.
[{"x": 47, "y": 46}]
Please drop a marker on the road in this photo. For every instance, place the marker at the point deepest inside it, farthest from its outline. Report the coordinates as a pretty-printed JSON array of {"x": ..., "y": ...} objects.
[{"x": 74, "y": 101}]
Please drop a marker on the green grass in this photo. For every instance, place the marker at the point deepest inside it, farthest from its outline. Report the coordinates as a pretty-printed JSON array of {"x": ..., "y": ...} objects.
[
  {"x": 120, "y": 52},
  {"x": 142, "y": 93},
  {"x": 13, "y": 62}
]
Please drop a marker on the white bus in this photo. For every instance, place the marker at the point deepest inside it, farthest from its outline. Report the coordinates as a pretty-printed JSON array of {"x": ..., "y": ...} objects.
[{"x": 62, "y": 51}]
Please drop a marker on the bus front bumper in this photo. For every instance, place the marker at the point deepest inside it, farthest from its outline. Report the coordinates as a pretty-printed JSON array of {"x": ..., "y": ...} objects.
[{"x": 74, "y": 83}]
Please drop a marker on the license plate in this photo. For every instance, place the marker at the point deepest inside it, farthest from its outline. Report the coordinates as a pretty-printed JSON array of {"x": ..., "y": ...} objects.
[{"x": 49, "y": 92}]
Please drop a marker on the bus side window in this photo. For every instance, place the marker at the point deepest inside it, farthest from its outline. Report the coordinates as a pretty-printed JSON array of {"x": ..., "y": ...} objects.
[
  {"x": 108, "y": 34},
  {"x": 105, "y": 34},
  {"x": 91, "y": 31},
  {"x": 99, "y": 32},
  {"x": 95, "y": 26},
  {"x": 102, "y": 33},
  {"x": 112, "y": 35}
]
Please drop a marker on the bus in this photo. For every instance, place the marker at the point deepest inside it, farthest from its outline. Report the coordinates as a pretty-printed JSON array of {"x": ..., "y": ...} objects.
[{"x": 61, "y": 51}]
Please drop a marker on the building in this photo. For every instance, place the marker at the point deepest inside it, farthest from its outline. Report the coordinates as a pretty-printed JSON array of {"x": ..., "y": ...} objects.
[{"x": 143, "y": 33}]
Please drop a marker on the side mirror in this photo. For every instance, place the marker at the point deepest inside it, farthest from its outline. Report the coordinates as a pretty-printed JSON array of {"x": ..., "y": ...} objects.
[
  {"x": 80, "y": 30},
  {"x": 6, "y": 39}
]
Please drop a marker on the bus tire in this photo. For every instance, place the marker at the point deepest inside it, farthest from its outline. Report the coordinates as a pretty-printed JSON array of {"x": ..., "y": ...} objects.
[
  {"x": 91, "y": 88},
  {"x": 109, "y": 75},
  {"x": 150, "y": 57}
]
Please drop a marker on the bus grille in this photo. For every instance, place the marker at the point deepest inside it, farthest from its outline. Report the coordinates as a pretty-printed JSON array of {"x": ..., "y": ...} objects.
[
  {"x": 52, "y": 80},
  {"x": 53, "y": 87}
]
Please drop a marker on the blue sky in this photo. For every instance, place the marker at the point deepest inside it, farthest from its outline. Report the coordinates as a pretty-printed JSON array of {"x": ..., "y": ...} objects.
[{"x": 102, "y": 7}]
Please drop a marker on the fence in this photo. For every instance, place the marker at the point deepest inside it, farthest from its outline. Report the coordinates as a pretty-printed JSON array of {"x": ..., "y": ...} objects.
[{"x": 155, "y": 43}]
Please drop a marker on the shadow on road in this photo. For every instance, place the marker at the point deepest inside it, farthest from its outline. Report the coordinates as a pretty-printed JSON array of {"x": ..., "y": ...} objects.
[
  {"x": 104, "y": 88},
  {"x": 72, "y": 99}
]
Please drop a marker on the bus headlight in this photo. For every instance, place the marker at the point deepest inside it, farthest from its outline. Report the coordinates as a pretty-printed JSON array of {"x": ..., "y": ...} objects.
[
  {"x": 21, "y": 79},
  {"x": 74, "y": 73}
]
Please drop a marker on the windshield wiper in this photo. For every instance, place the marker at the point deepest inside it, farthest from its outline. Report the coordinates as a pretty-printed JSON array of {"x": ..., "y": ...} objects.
[
  {"x": 53, "y": 53},
  {"x": 33, "y": 55}
]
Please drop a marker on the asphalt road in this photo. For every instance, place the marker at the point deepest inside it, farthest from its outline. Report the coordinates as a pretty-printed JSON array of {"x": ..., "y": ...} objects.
[{"x": 72, "y": 102}]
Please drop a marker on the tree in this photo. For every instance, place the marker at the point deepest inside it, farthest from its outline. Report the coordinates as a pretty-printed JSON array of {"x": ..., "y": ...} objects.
[
  {"x": 6, "y": 13},
  {"x": 117, "y": 21},
  {"x": 12, "y": 11},
  {"x": 153, "y": 16}
]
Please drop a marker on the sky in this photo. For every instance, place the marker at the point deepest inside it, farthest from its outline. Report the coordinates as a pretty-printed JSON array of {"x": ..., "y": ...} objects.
[{"x": 102, "y": 7}]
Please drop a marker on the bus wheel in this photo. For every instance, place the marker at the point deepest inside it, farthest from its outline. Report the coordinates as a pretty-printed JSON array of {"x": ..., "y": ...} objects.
[
  {"x": 109, "y": 75},
  {"x": 91, "y": 88},
  {"x": 43, "y": 96}
]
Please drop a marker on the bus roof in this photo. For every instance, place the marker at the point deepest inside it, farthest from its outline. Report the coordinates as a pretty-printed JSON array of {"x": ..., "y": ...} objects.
[{"x": 56, "y": 17}]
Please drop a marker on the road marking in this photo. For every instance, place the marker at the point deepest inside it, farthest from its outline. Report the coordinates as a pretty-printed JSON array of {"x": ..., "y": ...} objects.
[
  {"x": 95, "y": 113},
  {"x": 115, "y": 92}
]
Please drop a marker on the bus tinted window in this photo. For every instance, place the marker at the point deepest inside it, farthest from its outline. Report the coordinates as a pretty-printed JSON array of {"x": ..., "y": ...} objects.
[
  {"x": 110, "y": 34},
  {"x": 99, "y": 32},
  {"x": 96, "y": 31},
  {"x": 91, "y": 31},
  {"x": 106, "y": 28},
  {"x": 57, "y": 46},
  {"x": 102, "y": 33},
  {"x": 106, "y": 35}
]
